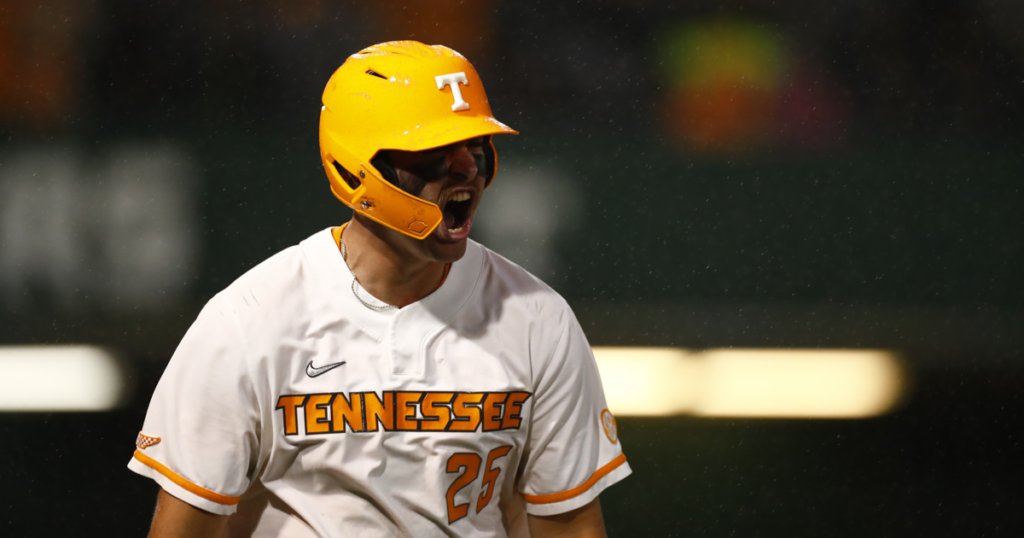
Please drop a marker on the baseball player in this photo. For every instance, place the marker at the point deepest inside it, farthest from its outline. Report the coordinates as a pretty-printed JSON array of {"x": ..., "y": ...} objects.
[{"x": 388, "y": 377}]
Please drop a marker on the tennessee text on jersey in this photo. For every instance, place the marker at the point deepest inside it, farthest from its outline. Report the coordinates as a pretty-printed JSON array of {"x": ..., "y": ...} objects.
[{"x": 402, "y": 411}]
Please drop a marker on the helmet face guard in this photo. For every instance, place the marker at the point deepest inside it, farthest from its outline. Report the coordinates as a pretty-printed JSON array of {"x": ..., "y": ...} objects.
[{"x": 406, "y": 96}]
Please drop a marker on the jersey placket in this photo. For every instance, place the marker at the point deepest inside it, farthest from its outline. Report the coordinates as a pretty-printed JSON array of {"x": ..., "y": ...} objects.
[{"x": 412, "y": 328}]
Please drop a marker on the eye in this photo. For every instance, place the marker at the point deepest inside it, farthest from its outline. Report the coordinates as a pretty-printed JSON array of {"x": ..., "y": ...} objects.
[{"x": 431, "y": 169}]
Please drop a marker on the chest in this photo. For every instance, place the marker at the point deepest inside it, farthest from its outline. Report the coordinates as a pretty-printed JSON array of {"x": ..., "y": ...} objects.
[{"x": 348, "y": 383}]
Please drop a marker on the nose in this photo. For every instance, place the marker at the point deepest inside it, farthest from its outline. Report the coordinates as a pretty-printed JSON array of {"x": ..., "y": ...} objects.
[{"x": 461, "y": 163}]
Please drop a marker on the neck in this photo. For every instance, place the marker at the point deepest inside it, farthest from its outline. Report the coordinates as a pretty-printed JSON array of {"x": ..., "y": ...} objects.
[{"x": 391, "y": 273}]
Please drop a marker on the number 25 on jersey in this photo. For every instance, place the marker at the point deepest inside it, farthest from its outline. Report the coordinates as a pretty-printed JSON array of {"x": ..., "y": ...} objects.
[{"x": 468, "y": 464}]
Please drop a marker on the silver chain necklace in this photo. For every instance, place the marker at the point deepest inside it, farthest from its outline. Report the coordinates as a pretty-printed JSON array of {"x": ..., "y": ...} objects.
[{"x": 376, "y": 308}]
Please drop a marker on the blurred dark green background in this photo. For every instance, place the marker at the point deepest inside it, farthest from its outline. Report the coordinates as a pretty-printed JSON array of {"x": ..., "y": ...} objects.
[{"x": 703, "y": 174}]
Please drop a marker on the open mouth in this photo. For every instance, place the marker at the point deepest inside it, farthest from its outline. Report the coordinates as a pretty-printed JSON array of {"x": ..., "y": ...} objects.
[{"x": 456, "y": 212}]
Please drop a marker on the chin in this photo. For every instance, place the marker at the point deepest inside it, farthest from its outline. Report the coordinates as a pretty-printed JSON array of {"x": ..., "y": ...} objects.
[{"x": 448, "y": 252}]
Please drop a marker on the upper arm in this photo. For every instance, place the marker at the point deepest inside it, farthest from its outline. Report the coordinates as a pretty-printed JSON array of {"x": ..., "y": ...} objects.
[
  {"x": 583, "y": 522},
  {"x": 178, "y": 519},
  {"x": 200, "y": 439},
  {"x": 573, "y": 451}
]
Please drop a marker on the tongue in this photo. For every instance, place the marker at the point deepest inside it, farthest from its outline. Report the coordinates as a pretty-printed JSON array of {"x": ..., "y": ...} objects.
[{"x": 449, "y": 220}]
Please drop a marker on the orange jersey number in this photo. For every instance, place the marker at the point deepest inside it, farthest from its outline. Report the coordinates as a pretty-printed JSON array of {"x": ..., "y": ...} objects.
[{"x": 468, "y": 464}]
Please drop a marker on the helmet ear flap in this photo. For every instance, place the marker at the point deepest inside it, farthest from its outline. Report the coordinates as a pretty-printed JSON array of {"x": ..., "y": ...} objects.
[
  {"x": 490, "y": 158},
  {"x": 382, "y": 163}
]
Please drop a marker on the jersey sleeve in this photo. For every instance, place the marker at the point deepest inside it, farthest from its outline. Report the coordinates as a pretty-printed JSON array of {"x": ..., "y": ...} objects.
[
  {"x": 573, "y": 452},
  {"x": 199, "y": 441}
]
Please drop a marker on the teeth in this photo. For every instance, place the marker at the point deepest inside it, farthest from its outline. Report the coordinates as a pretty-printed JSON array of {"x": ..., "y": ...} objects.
[
  {"x": 460, "y": 197},
  {"x": 455, "y": 230}
]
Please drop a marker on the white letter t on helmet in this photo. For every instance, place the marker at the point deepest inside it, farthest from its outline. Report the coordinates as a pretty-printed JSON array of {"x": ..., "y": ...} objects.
[{"x": 453, "y": 80}]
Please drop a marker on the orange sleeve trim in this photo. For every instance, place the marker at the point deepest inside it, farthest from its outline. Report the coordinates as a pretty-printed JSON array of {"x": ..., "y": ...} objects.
[
  {"x": 185, "y": 484},
  {"x": 566, "y": 495}
]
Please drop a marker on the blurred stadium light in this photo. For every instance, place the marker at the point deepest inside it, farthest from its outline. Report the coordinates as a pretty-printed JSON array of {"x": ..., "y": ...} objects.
[
  {"x": 735, "y": 85},
  {"x": 794, "y": 383},
  {"x": 725, "y": 79},
  {"x": 59, "y": 378}
]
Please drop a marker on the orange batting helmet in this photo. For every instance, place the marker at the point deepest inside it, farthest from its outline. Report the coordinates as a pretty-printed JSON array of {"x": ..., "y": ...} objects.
[{"x": 400, "y": 95}]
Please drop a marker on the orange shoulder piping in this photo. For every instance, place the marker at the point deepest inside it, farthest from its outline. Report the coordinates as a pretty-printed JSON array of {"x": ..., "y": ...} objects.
[
  {"x": 566, "y": 495},
  {"x": 185, "y": 484}
]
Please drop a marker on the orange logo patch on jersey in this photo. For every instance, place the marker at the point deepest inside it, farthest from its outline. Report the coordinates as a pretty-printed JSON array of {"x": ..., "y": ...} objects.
[
  {"x": 610, "y": 429},
  {"x": 402, "y": 411},
  {"x": 144, "y": 441}
]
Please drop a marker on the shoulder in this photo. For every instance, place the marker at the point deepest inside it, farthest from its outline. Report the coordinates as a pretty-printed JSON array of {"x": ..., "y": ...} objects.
[
  {"x": 263, "y": 282},
  {"x": 280, "y": 285},
  {"x": 506, "y": 283}
]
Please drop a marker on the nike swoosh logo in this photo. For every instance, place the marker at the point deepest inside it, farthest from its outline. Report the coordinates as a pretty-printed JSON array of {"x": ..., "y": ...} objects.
[{"x": 313, "y": 372}]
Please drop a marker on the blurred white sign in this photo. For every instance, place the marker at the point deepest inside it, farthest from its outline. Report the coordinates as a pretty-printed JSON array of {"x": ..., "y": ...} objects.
[
  {"x": 752, "y": 383},
  {"x": 119, "y": 233},
  {"x": 59, "y": 378},
  {"x": 523, "y": 215}
]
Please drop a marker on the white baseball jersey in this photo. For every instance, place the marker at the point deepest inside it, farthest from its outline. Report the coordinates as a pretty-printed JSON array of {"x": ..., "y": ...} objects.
[{"x": 293, "y": 402}]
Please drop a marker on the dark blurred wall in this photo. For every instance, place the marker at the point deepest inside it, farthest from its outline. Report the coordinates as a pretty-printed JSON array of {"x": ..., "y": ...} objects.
[{"x": 903, "y": 193}]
